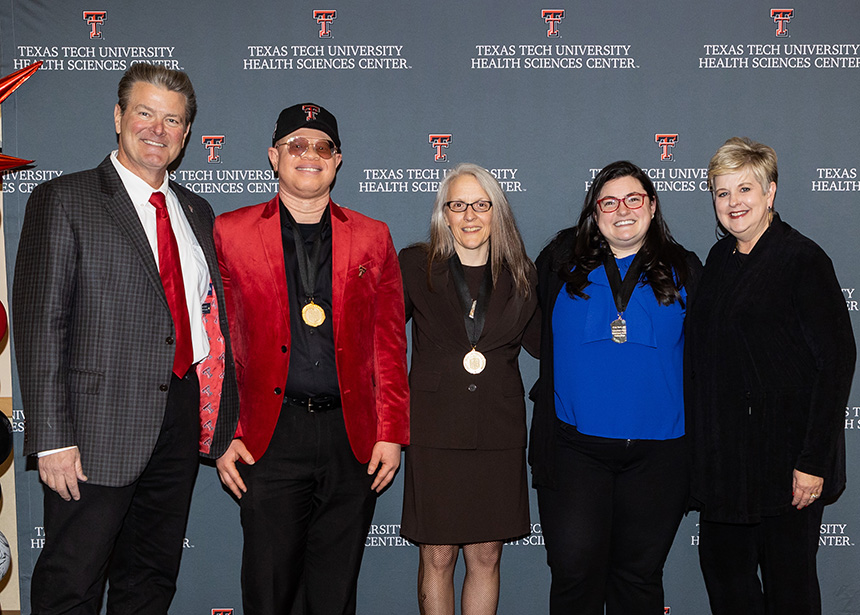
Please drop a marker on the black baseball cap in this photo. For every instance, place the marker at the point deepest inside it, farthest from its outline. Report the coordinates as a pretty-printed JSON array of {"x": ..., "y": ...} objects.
[{"x": 306, "y": 115}]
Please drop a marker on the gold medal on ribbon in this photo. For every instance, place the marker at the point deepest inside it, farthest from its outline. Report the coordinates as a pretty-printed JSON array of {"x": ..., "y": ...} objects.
[
  {"x": 474, "y": 362},
  {"x": 313, "y": 315}
]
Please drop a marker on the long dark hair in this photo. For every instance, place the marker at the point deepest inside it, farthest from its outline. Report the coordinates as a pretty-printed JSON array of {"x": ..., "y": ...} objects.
[{"x": 664, "y": 266}]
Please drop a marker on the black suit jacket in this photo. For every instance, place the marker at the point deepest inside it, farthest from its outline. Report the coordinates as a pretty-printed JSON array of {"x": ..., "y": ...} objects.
[
  {"x": 91, "y": 324},
  {"x": 451, "y": 408}
]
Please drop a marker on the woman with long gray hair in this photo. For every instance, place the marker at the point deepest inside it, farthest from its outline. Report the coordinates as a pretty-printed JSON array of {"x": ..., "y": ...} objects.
[{"x": 470, "y": 294}]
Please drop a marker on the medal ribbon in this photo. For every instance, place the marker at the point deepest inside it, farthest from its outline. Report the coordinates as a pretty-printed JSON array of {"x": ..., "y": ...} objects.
[
  {"x": 622, "y": 290},
  {"x": 478, "y": 309},
  {"x": 308, "y": 265}
]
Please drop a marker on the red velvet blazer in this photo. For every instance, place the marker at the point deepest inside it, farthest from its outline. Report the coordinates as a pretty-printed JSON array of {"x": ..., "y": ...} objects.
[{"x": 368, "y": 318}]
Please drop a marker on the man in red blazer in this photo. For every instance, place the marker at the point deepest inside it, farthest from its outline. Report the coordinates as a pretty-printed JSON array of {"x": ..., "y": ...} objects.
[{"x": 315, "y": 305}]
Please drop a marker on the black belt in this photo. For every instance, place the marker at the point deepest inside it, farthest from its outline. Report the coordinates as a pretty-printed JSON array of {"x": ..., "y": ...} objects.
[{"x": 320, "y": 403}]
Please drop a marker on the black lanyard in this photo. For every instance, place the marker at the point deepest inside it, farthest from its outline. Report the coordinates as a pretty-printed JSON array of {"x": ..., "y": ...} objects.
[
  {"x": 474, "y": 312},
  {"x": 308, "y": 264},
  {"x": 622, "y": 290}
]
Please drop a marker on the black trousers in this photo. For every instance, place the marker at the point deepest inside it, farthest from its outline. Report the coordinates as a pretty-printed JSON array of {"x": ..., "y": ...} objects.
[
  {"x": 610, "y": 520},
  {"x": 305, "y": 518},
  {"x": 132, "y": 534},
  {"x": 783, "y": 548}
]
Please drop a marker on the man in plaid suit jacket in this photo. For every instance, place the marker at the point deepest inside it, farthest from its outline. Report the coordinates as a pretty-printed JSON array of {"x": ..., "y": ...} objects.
[{"x": 116, "y": 429}]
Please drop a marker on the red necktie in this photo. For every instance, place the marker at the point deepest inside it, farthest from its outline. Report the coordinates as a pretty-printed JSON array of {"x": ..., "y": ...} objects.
[{"x": 174, "y": 288}]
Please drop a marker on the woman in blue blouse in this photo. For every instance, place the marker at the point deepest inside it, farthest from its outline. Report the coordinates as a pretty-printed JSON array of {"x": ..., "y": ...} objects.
[{"x": 608, "y": 452}]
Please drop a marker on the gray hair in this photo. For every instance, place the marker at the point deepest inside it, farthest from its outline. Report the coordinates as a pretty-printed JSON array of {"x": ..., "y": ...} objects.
[{"x": 506, "y": 244}]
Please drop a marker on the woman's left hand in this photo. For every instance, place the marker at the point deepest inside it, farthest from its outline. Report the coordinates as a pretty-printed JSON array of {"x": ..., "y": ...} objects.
[{"x": 806, "y": 488}]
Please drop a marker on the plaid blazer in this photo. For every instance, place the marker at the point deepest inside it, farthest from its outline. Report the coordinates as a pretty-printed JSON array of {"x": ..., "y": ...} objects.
[{"x": 90, "y": 324}]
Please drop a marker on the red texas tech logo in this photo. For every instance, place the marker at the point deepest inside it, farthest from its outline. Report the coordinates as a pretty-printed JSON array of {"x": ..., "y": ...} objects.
[
  {"x": 311, "y": 112},
  {"x": 781, "y": 17},
  {"x": 222, "y": 611},
  {"x": 213, "y": 143},
  {"x": 666, "y": 142},
  {"x": 552, "y": 17},
  {"x": 95, "y": 19},
  {"x": 324, "y": 19},
  {"x": 437, "y": 142}
]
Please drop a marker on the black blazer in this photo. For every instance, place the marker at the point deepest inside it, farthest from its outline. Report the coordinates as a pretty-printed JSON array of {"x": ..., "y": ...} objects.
[
  {"x": 90, "y": 324},
  {"x": 771, "y": 353},
  {"x": 542, "y": 441},
  {"x": 451, "y": 408}
]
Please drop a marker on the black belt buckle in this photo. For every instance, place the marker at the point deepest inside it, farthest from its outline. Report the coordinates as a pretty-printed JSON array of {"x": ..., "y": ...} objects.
[
  {"x": 313, "y": 405},
  {"x": 321, "y": 403}
]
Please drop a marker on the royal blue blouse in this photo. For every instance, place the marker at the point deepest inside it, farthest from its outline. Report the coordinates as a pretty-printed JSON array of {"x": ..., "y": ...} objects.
[{"x": 632, "y": 390}]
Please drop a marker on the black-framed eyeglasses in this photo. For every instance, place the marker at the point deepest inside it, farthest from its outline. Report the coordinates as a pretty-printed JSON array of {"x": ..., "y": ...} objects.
[
  {"x": 634, "y": 200},
  {"x": 297, "y": 146},
  {"x": 479, "y": 207}
]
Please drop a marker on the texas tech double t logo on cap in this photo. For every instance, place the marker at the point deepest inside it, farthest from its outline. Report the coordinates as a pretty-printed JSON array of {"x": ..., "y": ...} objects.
[{"x": 311, "y": 112}]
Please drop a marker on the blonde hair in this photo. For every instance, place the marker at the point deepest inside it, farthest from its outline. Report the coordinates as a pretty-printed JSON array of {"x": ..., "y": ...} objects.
[{"x": 742, "y": 153}]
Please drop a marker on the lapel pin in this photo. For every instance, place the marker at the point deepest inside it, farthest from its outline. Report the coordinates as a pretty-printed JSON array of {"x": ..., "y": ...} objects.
[{"x": 361, "y": 270}]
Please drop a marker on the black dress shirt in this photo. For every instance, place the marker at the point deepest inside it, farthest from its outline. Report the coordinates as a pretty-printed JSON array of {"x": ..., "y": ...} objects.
[{"x": 312, "y": 370}]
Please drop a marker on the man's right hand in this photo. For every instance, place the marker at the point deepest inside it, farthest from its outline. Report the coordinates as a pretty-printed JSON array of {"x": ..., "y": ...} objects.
[
  {"x": 61, "y": 472},
  {"x": 226, "y": 465}
]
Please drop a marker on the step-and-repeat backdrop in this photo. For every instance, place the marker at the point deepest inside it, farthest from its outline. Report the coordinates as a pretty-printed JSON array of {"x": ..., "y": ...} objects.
[{"x": 543, "y": 94}]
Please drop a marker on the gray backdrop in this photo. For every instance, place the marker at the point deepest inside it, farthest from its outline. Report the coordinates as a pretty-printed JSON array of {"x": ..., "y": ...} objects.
[{"x": 543, "y": 93}]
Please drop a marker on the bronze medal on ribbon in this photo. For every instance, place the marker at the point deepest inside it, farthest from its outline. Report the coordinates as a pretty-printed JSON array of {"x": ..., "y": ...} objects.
[
  {"x": 474, "y": 362},
  {"x": 313, "y": 315},
  {"x": 474, "y": 311}
]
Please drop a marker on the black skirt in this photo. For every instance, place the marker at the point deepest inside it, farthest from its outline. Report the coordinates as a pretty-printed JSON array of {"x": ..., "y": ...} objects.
[{"x": 456, "y": 496}]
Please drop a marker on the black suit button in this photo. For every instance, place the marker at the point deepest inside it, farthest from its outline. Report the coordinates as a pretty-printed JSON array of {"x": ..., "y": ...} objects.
[
  {"x": 472, "y": 388},
  {"x": 163, "y": 387},
  {"x": 283, "y": 349},
  {"x": 277, "y": 390},
  {"x": 169, "y": 341}
]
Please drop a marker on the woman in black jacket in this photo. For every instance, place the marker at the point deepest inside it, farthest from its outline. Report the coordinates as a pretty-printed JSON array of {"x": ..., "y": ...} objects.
[
  {"x": 470, "y": 295},
  {"x": 771, "y": 355}
]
